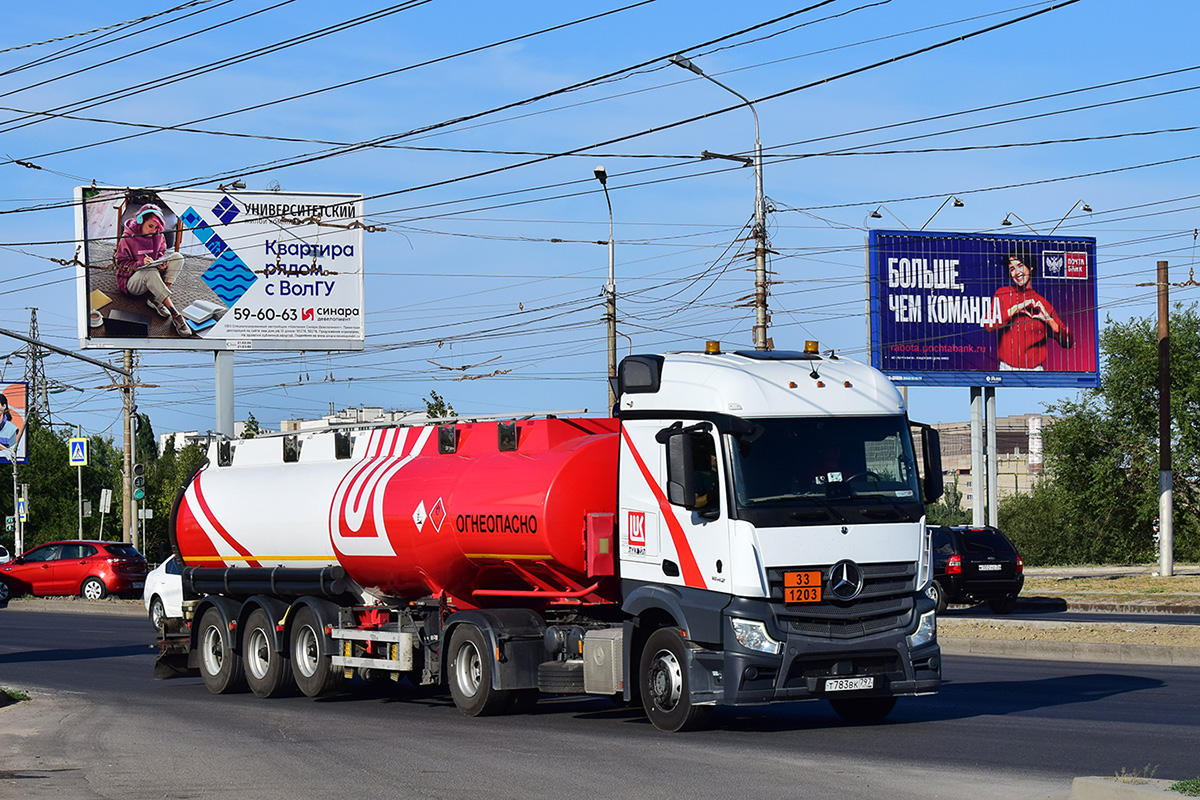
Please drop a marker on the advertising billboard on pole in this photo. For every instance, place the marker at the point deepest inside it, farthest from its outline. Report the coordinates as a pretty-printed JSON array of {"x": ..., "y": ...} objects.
[
  {"x": 969, "y": 309},
  {"x": 213, "y": 270},
  {"x": 14, "y": 400}
]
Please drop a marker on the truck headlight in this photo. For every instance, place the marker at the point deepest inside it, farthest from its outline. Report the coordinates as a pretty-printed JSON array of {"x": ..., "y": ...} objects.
[
  {"x": 752, "y": 635},
  {"x": 926, "y": 631}
]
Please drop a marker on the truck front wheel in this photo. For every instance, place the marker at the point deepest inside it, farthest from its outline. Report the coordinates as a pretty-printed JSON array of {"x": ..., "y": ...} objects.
[
  {"x": 664, "y": 684},
  {"x": 220, "y": 666},
  {"x": 470, "y": 671},
  {"x": 312, "y": 668}
]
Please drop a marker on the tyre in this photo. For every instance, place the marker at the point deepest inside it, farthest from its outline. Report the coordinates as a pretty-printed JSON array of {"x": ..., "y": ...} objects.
[
  {"x": 470, "y": 672},
  {"x": 939, "y": 596},
  {"x": 860, "y": 710},
  {"x": 267, "y": 670},
  {"x": 312, "y": 669},
  {"x": 5, "y": 592},
  {"x": 158, "y": 613},
  {"x": 93, "y": 589},
  {"x": 220, "y": 666},
  {"x": 665, "y": 688},
  {"x": 1003, "y": 605}
]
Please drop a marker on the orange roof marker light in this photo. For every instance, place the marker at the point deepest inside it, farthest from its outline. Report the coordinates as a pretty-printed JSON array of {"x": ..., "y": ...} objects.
[
  {"x": 712, "y": 347},
  {"x": 812, "y": 347}
]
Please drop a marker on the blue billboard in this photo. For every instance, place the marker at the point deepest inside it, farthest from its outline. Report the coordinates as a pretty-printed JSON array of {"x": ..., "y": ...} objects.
[{"x": 973, "y": 309}]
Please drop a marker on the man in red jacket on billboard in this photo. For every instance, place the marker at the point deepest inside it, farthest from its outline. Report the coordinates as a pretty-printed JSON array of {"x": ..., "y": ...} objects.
[{"x": 1026, "y": 320}]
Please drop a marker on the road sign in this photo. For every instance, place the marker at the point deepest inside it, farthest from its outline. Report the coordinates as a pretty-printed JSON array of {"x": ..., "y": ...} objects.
[
  {"x": 21, "y": 510},
  {"x": 105, "y": 500},
  {"x": 79, "y": 452},
  {"x": 145, "y": 513}
]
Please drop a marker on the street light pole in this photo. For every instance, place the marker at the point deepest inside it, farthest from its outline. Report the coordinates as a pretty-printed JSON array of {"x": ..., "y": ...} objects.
[
  {"x": 761, "y": 317},
  {"x": 610, "y": 293}
]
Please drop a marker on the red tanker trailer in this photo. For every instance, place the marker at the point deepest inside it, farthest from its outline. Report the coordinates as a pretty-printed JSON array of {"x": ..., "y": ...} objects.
[{"x": 741, "y": 533}]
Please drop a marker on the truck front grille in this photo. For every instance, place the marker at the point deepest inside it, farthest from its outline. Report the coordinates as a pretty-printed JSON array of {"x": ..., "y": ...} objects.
[{"x": 886, "y": 602}]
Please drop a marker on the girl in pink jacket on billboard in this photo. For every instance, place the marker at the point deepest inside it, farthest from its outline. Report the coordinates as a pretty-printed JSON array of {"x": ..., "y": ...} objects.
[{"x": 144, "y": 266}]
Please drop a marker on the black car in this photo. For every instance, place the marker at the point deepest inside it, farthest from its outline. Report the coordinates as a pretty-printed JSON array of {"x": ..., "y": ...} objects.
[{"x": 971, "y": 565}]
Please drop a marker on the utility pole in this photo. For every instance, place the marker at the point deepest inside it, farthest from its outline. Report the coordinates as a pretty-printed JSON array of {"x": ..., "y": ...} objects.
[
  {"x": 35, "y": 375},
  {"x": 610, "y": 294},
  {"x": 128, "y": 517},
  {"x": 1166, "y": 531}
]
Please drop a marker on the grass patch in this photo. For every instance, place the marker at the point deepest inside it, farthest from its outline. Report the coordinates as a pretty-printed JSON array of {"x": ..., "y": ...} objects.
[
  {"x": 1143, "y": 775},
  {"x": 13, "y": 694},
  {"x": 1188, "y": 788}
]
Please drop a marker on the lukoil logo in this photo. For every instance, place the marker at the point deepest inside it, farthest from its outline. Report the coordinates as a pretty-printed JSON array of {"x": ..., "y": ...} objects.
[{"x": 637, "y": 529}]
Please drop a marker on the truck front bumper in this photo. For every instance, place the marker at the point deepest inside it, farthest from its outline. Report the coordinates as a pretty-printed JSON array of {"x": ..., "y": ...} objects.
[{"x": 737, "y": 676}]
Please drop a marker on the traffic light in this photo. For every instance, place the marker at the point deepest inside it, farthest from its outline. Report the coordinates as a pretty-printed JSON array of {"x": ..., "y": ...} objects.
[{"x": 139, "y": 481}]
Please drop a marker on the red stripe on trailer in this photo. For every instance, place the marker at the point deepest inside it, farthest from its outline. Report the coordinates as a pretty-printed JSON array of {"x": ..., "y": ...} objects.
[
  {"x": 212, "y": 519},
  {"x": 192, "y": 539},
  {"x": 687, "y": 561}
]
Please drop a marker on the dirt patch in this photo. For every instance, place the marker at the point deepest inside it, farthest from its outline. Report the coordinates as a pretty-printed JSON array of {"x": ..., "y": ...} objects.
[{"x": 1182, "y": 590}]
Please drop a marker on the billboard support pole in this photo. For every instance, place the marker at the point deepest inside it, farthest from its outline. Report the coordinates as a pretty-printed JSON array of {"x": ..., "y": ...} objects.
[
  {"x": 224, "y": 384},
  {"x": 1166, "y": 532},
  {"x": 977, "y": 477},
  {"x": 993, "y": 471},
  {"x": 127, "y": 458}
]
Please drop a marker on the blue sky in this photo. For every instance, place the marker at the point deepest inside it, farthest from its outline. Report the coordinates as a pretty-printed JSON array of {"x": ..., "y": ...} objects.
[{"x": 497, "y": 278}]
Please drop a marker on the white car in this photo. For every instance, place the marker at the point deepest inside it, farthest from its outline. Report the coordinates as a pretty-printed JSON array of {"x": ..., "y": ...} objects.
[
  {"x": 5, "y": 556},
  {"x": 163, "y": 594}
]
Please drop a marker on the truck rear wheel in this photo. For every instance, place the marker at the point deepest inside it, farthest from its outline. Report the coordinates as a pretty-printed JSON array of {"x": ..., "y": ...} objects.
[
  {"x": 312, "y": 668},
  {"x": 220, "y": 666},
  {"x": 267, "y": 671},
  {"x": 470, "y": 672},
  {"x": 664, "y": 684}
]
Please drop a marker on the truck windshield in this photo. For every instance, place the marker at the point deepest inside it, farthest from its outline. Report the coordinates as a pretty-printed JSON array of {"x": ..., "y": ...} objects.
[{"x": 819, "y": 470}]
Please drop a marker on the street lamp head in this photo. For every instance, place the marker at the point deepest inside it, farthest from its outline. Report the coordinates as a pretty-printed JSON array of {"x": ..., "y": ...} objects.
[
  {"x": 680, "y": 61},
  {"x": 875, "y": 214},
  {"x": 601, "y": 175},
  {"x": 1006, "y": 222},
  {"x": 1087, "y": 208},
  {"x": 957, "y": 203}
]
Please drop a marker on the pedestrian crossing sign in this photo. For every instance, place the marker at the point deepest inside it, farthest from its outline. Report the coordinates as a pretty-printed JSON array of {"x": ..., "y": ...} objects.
[{"x": 79, "y": 452}]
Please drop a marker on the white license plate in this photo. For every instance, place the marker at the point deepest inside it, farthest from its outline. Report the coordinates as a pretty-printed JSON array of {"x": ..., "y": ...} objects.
[
  {"x": 849, "y": 684},
  {"x": 989, "y": 567},
  {"x": 139, "y": 584}
]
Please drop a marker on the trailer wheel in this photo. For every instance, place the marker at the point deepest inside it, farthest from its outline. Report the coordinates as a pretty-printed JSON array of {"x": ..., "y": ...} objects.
[
  {"x": 220, "y": 666},
  {"x": 267, "y": 671},
  {"x": 863, "y": 709},
  {"x": 312, "y": 668},
  {"x": 470, "y": 671},
  {"x": 664, "y": 684}
]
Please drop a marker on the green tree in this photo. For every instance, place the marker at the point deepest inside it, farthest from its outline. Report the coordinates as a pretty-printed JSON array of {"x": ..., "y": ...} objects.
[
  {"x": 171, "y": 471},
  {"x": 437, "y": 408},
  {"x": 250, "y": 428},
  {"x": 1101, "y": 491},
  {"x": 948, "y": 509}
]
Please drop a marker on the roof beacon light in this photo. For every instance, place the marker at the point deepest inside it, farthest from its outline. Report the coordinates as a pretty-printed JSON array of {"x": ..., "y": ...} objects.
[
  {"x": 812, "y": 347},
  {"x": 712, "y": 347}
]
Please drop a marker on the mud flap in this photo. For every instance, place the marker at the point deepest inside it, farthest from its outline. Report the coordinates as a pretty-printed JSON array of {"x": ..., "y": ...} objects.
[{"x": 174, "y": 645}]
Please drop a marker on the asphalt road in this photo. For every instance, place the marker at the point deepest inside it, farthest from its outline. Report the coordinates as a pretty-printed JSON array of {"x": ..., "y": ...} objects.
[{"x": 101, "y": 727}]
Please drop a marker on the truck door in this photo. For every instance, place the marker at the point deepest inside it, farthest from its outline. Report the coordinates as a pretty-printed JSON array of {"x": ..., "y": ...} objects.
[{"x": 674, "y": 522}]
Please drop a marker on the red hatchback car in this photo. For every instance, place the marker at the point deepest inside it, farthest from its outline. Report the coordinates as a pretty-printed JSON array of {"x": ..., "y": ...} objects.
[{"x": 91, "y": 569}]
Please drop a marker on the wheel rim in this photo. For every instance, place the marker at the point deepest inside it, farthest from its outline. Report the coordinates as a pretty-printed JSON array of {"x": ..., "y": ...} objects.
[
  {"x": 157, "y": 612},
  {"x": 3, "y": 590},
  {"x": 665, "y": 680},
  {"x": 308, "y": 651},
  {"x": 92, "y": 590},
  {"x": 212, "y": 650},
  {"x": 468, "y": 669},
  {"x": 258, "y": 654}
]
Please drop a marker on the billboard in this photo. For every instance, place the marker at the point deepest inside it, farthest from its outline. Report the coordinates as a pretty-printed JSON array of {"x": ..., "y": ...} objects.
[
  {"x": 212, "y": 270},
  {"x": 14, "y": 399},
  {"x": 970, "y": 309}
]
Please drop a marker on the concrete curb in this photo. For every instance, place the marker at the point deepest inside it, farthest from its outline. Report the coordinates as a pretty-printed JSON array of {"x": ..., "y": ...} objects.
[
  {"x": 1095, "y": 652},
  {"x": 132, "y": 608},
  {"x": 1112, "y": 789}
]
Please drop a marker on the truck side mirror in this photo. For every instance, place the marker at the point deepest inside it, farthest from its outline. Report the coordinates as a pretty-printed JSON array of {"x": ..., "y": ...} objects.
[
  {"x": 680, "y": 481},
  {"x": 931, "y": 453}
]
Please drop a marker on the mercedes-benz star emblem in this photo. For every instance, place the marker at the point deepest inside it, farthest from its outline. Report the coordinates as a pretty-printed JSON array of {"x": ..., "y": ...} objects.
[{"x": 845, "y": 580}]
